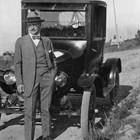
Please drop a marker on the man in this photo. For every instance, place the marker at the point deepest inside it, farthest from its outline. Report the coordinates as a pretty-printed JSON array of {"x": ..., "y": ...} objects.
[{"x": 35, "y": 70}]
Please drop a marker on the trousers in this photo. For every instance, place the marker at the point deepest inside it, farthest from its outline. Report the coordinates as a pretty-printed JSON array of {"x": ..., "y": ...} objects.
[{"x": 43, "y": 89}]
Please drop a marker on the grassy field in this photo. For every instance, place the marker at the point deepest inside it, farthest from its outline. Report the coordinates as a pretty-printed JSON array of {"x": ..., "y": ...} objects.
[{"x": 126, "y": 45}]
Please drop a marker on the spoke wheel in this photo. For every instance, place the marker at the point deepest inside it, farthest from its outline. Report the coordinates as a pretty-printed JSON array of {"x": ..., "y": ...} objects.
[
  {"x": 88, "y": 112},
  {"x": 114, "y": 95}
]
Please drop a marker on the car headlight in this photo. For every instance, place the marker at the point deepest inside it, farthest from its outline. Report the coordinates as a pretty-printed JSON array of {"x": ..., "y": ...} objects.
[
  {"x": 9, "y": 77},
  {"x": 61, "y": 79}
]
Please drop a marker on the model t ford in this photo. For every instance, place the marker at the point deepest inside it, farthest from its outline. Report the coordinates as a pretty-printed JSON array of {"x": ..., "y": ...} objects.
[{"x": 77, "y": 29}]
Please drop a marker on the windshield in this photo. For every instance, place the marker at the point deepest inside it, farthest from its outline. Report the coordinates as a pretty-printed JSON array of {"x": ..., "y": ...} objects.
[{"x": 63, "y": 24}]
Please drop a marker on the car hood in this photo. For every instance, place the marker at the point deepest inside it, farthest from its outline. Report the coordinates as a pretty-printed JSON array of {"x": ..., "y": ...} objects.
[{"x": 75, "y": 48}]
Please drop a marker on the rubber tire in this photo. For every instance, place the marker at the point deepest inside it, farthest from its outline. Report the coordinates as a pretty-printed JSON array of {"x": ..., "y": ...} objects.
[
  {"x": 88, "y": 100},
  {"x": 7, "y": 89},
  {"x": 115, "y": 93}
]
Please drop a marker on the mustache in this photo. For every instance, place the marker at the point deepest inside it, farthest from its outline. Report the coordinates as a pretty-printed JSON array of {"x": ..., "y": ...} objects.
[{"x": 32, "y": 29}]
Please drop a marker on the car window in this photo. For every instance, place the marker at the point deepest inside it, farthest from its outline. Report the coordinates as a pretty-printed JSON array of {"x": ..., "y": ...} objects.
[{"x": 63, "y": 24}]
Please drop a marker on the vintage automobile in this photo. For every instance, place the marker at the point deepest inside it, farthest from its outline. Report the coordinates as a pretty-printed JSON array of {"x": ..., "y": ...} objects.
[{"x": 77, "y": 29}]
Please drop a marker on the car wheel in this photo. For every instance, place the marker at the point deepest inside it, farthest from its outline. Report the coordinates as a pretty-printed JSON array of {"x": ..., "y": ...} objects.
[
  {"x": 114, "y": 95},
  {"x": 88, "y": 112}
]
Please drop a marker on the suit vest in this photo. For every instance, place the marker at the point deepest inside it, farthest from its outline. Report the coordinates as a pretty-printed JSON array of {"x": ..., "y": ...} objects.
[{"x": 41, "y": 61}]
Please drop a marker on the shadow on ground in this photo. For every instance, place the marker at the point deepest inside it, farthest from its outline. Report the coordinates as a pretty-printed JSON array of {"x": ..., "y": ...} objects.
[
  {"x": 104, "y": 108},
  {"x": 14, "y": 121},
  {"x": 61, "y": 123},
  {"x": 124, "y": 91}
]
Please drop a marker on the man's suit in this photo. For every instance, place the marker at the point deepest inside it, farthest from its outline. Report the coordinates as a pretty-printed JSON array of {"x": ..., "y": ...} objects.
[
  {"x": 26, "y": 73},
  {"x": 24, "y": 53}
]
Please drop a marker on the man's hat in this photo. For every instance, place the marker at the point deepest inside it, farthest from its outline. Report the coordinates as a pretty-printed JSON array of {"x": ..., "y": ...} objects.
[{"x": 33, "y": 17}]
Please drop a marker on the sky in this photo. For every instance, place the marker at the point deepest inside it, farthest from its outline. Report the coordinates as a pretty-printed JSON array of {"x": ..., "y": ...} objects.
[{"x": 127, "y": 17}]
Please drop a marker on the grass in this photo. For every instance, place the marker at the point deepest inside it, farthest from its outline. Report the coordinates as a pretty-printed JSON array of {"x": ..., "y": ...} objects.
[
  {"x": 126, "y": 45},
  {"x": 121, "y": 120}
]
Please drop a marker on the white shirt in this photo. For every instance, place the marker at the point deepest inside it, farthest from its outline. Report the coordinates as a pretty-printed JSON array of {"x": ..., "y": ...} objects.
[{"x": 36, "y": 41}]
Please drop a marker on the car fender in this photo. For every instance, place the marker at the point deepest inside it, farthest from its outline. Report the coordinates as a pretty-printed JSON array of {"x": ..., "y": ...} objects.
[{"x": 109, "y": 69}]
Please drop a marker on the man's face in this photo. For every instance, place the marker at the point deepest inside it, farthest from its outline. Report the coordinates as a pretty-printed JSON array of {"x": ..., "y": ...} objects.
[{"x": 34, "y": 28}]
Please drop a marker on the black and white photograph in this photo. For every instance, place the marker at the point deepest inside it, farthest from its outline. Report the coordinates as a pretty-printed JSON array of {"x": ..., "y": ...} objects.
[{"x": 70, "y": 70}]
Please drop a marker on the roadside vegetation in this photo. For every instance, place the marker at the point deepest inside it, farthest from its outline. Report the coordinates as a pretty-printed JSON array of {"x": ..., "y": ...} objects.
[
  {"x": 122, "y": 122},
  {"x": 6, "y": 60},
  {"x": 125, "y": 45}
]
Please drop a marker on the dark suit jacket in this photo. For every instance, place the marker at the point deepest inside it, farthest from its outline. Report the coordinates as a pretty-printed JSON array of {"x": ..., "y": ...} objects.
[{"x": 25, "y": 62}]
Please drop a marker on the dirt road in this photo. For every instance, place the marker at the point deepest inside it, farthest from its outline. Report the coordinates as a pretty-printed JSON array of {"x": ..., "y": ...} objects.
[{"x": 12, "y": 126}]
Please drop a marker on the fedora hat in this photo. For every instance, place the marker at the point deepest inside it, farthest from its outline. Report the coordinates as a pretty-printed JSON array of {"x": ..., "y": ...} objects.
[{"x": 33, "y": 17}]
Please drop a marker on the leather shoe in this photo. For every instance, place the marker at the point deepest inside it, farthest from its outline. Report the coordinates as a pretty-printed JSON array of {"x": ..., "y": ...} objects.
[{"x": 47, "y": 138}]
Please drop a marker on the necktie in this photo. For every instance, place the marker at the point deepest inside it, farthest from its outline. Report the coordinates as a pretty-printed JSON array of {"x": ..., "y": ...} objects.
[{"x": 36, "y": 37}]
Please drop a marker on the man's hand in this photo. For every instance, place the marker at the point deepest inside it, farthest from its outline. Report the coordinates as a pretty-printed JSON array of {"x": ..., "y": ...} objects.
[{"x": 20, "y": 88}]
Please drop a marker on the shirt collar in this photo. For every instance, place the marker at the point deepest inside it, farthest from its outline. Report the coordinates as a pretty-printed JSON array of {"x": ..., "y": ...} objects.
[{"x": 33, "y": 35}]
